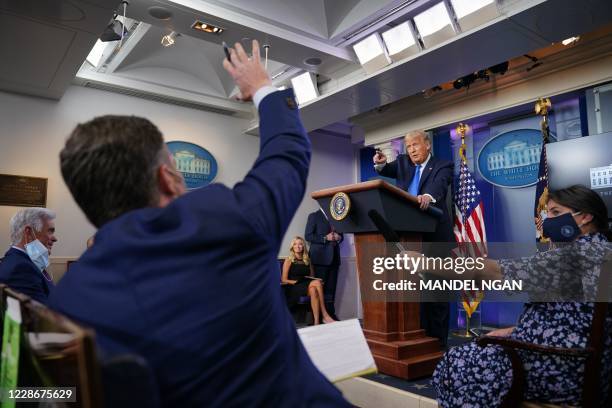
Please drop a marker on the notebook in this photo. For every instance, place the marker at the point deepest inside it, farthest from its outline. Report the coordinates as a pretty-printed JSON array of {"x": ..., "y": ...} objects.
[{"x": 339, "y": 350}]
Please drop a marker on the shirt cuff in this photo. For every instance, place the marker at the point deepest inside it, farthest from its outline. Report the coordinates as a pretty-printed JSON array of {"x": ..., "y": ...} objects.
[
  {"x": 379, "y": 167},
  {"x": 262, "y": 93},
  {"x": 433, "y": 200}
]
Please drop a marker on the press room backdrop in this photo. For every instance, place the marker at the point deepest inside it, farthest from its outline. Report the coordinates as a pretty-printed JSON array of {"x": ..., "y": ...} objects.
[{"x": 508, "y": 211}]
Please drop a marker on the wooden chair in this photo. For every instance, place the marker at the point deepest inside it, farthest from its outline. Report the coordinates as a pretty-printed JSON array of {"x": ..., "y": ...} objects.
[
  {"x": 69, "y": 364},
  {"x": 592, "y": 353}
]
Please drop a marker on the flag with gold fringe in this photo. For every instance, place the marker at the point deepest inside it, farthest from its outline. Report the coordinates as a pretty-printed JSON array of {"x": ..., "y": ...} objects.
[{"x": 469, "y": 226}]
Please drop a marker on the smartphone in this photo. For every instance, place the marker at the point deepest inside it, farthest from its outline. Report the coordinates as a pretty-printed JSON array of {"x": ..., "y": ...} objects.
[{"x": 227, "y": 52}]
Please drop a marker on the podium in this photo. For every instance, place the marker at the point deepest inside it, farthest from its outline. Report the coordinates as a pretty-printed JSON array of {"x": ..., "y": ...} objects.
[{"x": 392, "y": 329}]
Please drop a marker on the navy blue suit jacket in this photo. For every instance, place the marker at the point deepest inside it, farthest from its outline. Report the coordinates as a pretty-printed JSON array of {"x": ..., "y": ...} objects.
[
  {"x": 20, "y": 273},
  {"x": 435, "y": 181},
  {"x": 321, "y": 252},
  {"x": 193, "y": 287}
]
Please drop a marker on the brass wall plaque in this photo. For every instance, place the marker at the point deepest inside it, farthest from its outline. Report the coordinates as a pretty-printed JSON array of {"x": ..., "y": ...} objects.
[{"x": 23, "y": 191}]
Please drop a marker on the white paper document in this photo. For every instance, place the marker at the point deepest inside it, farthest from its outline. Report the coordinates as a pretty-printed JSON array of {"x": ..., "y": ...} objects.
[{"x": 339, "y": 350}]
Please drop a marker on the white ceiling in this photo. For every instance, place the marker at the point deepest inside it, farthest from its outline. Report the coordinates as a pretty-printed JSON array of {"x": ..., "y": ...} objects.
[{"x": 53, "y": 37}]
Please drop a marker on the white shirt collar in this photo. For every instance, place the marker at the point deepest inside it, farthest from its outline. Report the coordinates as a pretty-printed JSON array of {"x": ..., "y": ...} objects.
[
  {"x": 19, "y": 249},
  {"x": 425, "y": 162}
]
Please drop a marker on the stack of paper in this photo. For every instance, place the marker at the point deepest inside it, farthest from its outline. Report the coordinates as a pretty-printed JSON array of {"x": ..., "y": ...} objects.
[{"x": 339, "y": 350}]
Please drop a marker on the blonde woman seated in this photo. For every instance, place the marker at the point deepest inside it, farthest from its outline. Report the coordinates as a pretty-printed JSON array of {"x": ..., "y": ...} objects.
[{"x": 298, "y": 275}]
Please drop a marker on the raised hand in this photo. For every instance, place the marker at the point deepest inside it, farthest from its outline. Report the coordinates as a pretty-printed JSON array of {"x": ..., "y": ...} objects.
[{"x": 248, "y": 73}]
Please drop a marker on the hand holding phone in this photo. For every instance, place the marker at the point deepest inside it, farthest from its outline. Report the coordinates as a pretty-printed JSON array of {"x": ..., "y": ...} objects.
[{"x": 227, "y": 52}]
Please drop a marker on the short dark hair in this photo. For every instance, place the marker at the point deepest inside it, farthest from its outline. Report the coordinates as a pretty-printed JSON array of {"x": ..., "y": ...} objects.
[
  {"x": 580, "y": 198},
  {"x": 109, "y": 165}
]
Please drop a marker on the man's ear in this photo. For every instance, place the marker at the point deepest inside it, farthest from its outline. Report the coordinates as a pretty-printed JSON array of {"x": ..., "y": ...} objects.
[
  {"x": 28, "y": 233},
  {"x": 165, "y": 181}
]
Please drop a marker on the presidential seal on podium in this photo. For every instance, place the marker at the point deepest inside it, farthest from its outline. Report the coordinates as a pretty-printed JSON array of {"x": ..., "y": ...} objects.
[{"x": 339, "y": 206}]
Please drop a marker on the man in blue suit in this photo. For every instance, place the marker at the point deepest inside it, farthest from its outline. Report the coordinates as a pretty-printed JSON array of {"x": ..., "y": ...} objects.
[
  {"x": 190, "y": 281},
  {"x": 24, "y": 266},
  {"x": 324, "y": 255},
  {"x": 427, "y": 178}
]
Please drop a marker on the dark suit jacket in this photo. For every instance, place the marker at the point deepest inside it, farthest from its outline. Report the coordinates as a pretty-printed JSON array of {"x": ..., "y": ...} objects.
[
  {"x": 20, "y": 273},
  {"x": 193, "y": 287},
  {"x": 435, "y": 180},
  {"x": 321, "y": 252}
]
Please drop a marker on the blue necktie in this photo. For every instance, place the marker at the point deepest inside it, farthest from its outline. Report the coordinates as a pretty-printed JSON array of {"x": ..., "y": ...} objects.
[{"x": 414, "y": 186}]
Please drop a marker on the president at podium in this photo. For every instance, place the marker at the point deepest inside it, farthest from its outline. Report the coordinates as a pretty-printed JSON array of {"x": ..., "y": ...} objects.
[{"x": 427, "y": 178}]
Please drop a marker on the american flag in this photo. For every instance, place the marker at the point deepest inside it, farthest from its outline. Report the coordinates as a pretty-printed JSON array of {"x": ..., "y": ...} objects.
[
  {"x": 469, "y": 229},
  {"x": 469, "y": 225}
]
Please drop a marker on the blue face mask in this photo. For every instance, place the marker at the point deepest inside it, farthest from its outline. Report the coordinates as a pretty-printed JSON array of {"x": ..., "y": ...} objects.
[
  {"x": 562, "y": 228},
  {"x": 38, "y": 253}
]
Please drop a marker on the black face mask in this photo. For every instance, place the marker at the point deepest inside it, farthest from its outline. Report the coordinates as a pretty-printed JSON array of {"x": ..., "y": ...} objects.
[{"x": 562, "y": 228}]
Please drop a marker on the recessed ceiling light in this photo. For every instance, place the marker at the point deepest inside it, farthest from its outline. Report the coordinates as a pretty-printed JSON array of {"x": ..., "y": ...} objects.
[
  {"x": 160, "y": 13},
  {"x": 313, "y": 61},
  {"x": 207, "y": 27}
]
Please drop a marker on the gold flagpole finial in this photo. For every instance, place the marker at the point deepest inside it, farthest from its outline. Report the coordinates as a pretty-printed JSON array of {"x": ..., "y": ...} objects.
[
  {"x": 462, "y": 129},
  {"x": 542, "y": 107}
]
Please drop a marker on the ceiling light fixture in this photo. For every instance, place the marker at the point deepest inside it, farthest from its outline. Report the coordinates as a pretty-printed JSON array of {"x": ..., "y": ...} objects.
[
  {"x": 400, "y": 42},
  {"x": 115, "y": 30},
  {"x": 371, "y": 53},
  {"x": 305, "y": 87},
  {"x": 473, "y": 13},
  {"x": 95, "y": 55},
  {"x": 169, "y": 39},
  {"x": 434, "y": 25},
  {"x": 570, "y": 41},
  {"x": 207, "y": 27}
]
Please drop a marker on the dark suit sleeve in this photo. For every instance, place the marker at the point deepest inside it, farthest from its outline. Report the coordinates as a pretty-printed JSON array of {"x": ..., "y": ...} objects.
[
  {"x": 271, "y": 192},
  {"x": 26, "y": 279},
  {"x": 389, "y": 170},
  {"x": 443, "y": 178},
  {"x": 311, "y": 229}
]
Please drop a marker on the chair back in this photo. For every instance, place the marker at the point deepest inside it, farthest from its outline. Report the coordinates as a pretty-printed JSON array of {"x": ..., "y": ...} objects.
[
  {"x": 596, "y": 340},
  {"x": 129, "y": 382},
  {"x": 56, "y": 352}
]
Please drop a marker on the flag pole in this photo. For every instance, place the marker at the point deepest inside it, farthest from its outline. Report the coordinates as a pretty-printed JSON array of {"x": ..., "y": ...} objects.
[
  {"x": 462, "y": 129},
  {"x": 542, "y": 108}
]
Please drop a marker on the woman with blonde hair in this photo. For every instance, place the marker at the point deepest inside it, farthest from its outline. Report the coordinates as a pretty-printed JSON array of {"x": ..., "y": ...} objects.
[{"x": 298, "y": 275}]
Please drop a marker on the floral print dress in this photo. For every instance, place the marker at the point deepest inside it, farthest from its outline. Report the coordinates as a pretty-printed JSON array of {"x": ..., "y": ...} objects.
[{"x": 473, "y": 376}]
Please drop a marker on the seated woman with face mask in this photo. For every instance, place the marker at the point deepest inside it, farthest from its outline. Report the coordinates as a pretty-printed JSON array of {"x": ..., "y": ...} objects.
[{"x": 475, "y": 376}]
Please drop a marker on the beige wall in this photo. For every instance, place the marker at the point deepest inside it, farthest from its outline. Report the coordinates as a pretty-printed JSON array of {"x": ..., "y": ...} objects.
[{"x": 33, "y": 130}]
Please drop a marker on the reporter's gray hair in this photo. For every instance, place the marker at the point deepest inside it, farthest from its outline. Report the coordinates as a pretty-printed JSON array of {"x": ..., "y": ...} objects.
[{"x": 34, "y": 217}]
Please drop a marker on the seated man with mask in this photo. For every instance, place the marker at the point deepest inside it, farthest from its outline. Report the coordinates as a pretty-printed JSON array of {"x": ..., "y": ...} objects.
[{"x": 24, "y": 267}]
